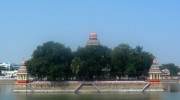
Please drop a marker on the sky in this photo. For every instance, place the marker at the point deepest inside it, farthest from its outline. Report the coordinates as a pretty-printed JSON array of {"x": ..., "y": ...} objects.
[{"x": 152, "y": 24}]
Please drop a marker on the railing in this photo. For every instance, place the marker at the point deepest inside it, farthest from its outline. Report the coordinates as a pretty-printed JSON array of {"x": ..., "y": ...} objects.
[
  {"x": 146, "y": 86},
  {"x": 78, "y": 88},
  {"x": 96, "y": 87},
  {"x": 86, "y": 83},
  {"x": 28, "y": 85}
]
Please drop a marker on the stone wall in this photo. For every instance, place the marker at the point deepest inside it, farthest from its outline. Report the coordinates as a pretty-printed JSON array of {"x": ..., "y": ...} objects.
[
  {"x": 78, "y": 86},
  {"x": 155, "y": 87}
]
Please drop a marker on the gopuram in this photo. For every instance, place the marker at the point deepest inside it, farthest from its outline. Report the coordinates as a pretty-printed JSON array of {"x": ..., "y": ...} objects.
[{"x": 93, "y": 39}]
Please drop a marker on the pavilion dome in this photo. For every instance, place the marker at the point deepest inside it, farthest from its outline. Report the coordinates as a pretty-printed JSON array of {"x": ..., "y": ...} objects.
[
  {"x": 155, "y": 67},
  {"x": 93, "y": 35},
  {"x": 22, "y": 68},
  {"x": 93, "y": 39}
]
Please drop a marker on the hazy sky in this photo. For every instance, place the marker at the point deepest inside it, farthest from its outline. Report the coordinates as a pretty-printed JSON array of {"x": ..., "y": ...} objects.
[{"x": 153, "y": 24}]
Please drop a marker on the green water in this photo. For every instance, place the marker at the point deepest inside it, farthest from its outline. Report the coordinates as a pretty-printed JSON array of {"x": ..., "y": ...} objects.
[{"x": 172, "y": 92}]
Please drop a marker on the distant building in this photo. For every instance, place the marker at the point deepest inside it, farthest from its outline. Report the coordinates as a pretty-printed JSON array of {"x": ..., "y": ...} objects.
[
  {"x": 165, "y": 73},
  {"x": 5, "y": 66},
  {"x": 93, "y": 39},
  {"x": 154, "y": 72},
  {"x": 8, "y": 66},
  {"x": 178, "y": 73},
  {"x": 9, "y": 74}
]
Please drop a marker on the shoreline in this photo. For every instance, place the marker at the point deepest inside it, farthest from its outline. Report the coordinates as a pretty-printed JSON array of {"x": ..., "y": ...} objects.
[
  {"x": 88, "y": 87},
  {"x": 72, "y": 91}
]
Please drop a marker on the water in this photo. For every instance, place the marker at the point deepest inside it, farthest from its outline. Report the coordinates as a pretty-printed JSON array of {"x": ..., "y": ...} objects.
[{"x": 172, "y": 92}]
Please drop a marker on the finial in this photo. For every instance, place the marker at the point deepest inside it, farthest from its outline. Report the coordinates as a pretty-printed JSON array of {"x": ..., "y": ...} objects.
[
  {"x": 154, "y": 61},
  {"x": 93, "y": 31},
  {"x": 23, "y": 63}
]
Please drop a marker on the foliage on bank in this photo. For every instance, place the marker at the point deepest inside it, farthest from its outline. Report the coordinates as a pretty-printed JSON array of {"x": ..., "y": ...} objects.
[
  {"x": 51, "y": 60},
  {"x": 56, "y": 62}
]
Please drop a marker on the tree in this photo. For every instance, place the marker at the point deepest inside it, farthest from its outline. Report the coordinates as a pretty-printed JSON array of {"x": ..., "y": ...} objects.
[
  {"x": 57, "y": 62},
  {"x": 142, "y": 60},
  {"x": 131, "y": 62},
  {"x": 75, "y": 65},
  {"x": 51, "y": 60},
  {"x": 90, "y": 60},
  {"x": 120, "y": 59}
]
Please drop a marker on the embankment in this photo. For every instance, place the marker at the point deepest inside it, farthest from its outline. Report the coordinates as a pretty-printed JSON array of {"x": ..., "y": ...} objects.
[{"x": 90, "y": 86}]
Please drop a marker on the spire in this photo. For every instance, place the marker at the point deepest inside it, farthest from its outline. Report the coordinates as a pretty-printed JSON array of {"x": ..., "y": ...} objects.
[
  {"x": 93, "y": 39},
  {"x": 93, "y": 35},
  {"x": 154, "y": 61},
  {"x": 23, "y": 63},
  {"x": 93, "y": 31}
]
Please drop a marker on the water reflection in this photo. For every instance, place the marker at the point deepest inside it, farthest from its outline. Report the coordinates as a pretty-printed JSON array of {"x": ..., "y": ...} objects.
[
  {"x": 171, "y": 87},
  {"x": 100, "y": 96},
  {"x": 6, "y": 91},
  {"x": 6, "y": 87}
]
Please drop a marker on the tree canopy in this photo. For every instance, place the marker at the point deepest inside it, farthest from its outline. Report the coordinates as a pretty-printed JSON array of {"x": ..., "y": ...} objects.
[
  {"x": 90, "y": 60},
  {"x": 51, "y": 60},
  {"x": 129, "y": 61},
  {"x": 56, "y": 62}
]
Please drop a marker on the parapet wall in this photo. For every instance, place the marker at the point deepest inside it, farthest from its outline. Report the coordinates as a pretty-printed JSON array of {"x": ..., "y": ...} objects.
[{"x": 93, "y": 86}]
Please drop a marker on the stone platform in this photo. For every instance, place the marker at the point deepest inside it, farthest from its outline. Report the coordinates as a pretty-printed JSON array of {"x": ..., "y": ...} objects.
[{"x": 88, "y": 86}]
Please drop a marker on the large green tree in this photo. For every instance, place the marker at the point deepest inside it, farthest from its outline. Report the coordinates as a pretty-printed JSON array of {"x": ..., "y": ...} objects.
[
  {"x": 130, "y": 61},
  {"x": 51, "y": 60},
  {"x": 121, "y": 59},
  {"x": 90, "y": 60},
  {"x": 142, "y": 61}
]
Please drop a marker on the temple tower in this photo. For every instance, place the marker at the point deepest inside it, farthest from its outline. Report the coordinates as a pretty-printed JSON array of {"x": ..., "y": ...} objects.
[
  {"x": 93, "y": 39},
  {"x": 22, "y": 74},
  {"x": 154, "y": 72}
]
